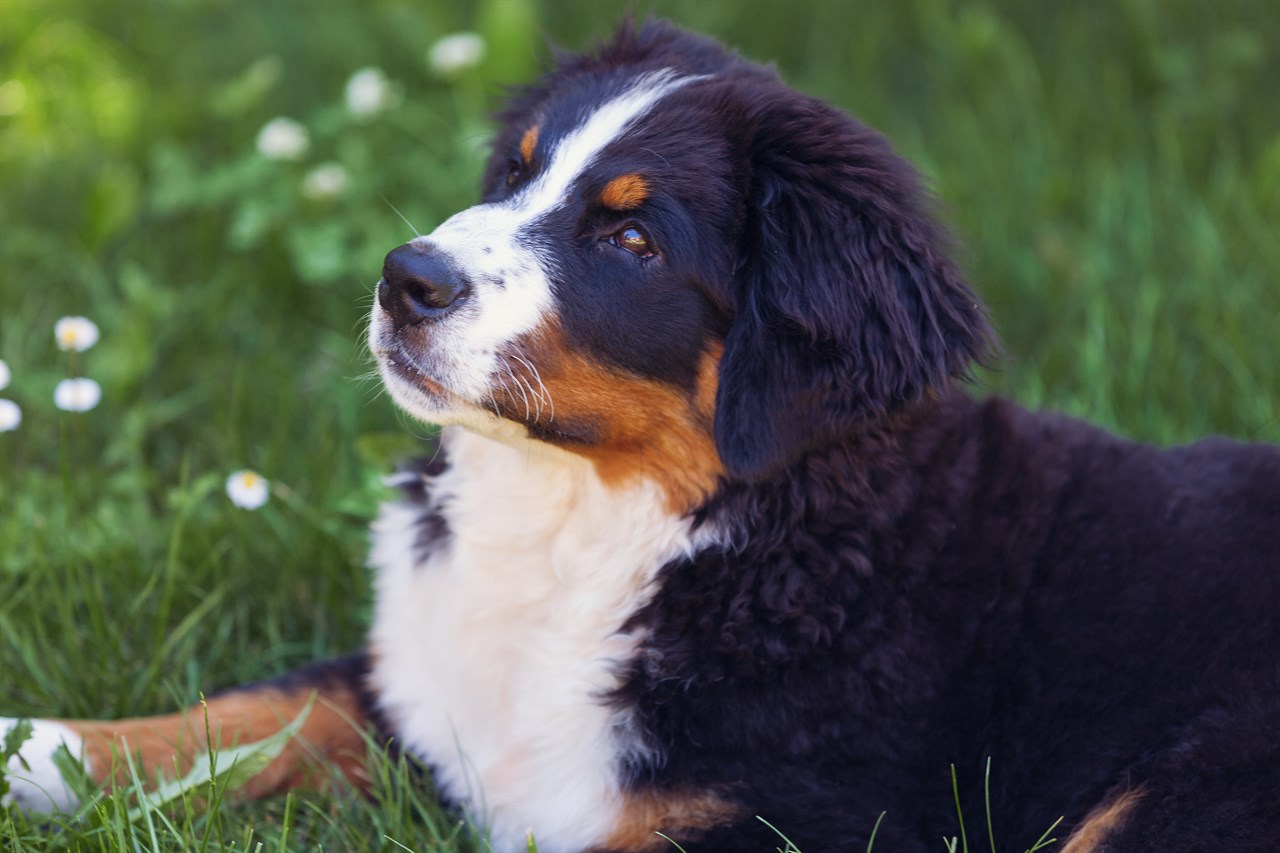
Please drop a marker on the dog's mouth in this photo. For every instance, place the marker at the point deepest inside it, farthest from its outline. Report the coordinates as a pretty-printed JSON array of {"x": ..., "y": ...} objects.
[{"x": 403, "y": 367}]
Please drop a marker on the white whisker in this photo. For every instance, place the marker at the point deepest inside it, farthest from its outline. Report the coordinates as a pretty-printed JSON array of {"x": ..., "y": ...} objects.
[
  {"x": 520, "y": 387},
  {"x": 527, "y": 385},
  {"x": 416, "y": 232},
  {"x": 537, "y": 399},
  {"x": 544, "y": 393}
]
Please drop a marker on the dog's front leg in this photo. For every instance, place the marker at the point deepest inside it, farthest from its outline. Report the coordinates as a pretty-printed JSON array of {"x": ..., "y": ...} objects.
[{"x": 331, "y": 737}]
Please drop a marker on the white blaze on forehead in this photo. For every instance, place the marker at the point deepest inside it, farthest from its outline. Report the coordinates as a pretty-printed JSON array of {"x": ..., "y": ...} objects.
[
  {"x": 573, "y": 154},
  {"x": 579, "y": 149}
]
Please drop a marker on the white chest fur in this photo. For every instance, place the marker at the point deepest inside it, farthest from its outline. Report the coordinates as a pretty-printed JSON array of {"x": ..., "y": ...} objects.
[{"x": 492, "y": 655}]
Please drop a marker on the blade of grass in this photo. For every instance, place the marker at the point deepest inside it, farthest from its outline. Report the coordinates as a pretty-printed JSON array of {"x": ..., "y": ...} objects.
[
  {"x": 955, "y": 790},
  {"x": 874, "y": 830},
  {"x": 986, "y": 798}
]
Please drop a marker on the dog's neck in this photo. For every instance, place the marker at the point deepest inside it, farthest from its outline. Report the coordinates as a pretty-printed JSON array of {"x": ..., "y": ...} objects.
[{"x": 875, "y": 470}]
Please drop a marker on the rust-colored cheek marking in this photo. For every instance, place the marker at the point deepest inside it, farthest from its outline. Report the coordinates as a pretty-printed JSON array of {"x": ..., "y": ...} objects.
[
  {"x": 168, "y": 746},
  {"x": 1104, "y": 820},
  {"x": 528, "y": 143},
  {"x": 640, "y": 428},
  {"x": 678, "y": 814},
  {"x": 625, "y": 192}
]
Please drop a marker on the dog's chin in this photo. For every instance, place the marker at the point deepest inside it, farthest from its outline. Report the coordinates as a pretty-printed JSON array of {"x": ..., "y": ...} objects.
[
  {"x": 428, "y": 400},
  {"x": 417, "y": 393}
]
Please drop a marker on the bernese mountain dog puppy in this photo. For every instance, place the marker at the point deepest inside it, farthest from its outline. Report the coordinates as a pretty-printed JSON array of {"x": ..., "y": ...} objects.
[{"x": 711, "y": 537}]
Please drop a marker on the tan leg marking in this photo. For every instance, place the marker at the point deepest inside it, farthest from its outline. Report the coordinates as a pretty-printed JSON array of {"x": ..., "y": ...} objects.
[
  {"x": 168, "y": 745},
  {"x": 1101, "y": 823},
  {"x": 673, "y": 814}
]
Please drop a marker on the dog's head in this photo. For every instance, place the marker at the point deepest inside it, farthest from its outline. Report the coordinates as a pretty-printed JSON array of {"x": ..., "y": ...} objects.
[{"x": 680, "y": 268}]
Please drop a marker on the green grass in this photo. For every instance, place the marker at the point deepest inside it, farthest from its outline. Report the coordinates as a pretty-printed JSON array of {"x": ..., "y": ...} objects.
[{"x": 1113, "y": 170}]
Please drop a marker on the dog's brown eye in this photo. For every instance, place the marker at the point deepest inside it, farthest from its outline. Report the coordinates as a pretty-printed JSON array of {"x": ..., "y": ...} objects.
[
  {"x": 514, "y": 173},
  {"x": 634, "y": 240}
]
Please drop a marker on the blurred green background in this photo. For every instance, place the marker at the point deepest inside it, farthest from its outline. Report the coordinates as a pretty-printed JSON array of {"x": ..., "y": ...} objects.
[{"x": 1112, "y": 169}]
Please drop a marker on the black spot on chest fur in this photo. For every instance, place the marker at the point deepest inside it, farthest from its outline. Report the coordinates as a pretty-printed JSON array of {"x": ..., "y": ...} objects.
[{"x": 419, "y": 482}]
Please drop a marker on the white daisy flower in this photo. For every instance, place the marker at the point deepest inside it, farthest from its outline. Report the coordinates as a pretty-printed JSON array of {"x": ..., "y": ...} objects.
[
  {"x": 455, "y": 53},
  {"x": 325, "y": 182},
  {"x": 283, "y": 139},
  {"x": 369, "y": 92},
  {"x": 4, "y": 375},
  {"x": 247, "y": 489},
  {"x": 77, "y": 395},
  {"x": 75, "y": 334},
  {"x": 10, "y": 415}
]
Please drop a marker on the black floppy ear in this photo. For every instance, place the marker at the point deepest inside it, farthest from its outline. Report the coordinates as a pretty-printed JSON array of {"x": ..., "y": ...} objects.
[{"x": 846, "y": 304}]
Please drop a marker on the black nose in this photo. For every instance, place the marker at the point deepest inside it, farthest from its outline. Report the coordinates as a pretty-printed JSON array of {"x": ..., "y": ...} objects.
[{"x": 419, "y": 284}]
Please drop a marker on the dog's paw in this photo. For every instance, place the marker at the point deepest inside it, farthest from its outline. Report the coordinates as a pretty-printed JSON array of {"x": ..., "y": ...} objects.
[{"x": 35, "y": 784}]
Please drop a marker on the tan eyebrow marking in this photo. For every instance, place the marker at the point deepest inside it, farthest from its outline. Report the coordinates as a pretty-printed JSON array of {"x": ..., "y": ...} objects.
[
  {"x": 527, "y": 143},
  {"x": 625, "y": 192}
]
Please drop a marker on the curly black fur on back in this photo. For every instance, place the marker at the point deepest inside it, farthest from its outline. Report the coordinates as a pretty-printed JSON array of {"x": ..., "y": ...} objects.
[{"x": 906, "y": 579}]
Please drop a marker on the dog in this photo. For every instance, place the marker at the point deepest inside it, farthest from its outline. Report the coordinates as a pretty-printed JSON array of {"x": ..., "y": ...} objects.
[{"x": 712, "y": 535}]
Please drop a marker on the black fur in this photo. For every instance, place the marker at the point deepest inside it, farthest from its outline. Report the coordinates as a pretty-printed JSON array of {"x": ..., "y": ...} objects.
[
  {"x": 911, "y": 580},
  {"x": 846, "y": 305},
  {"x": 977, "y": 582},
  {"x": 916, "y": 580}
]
